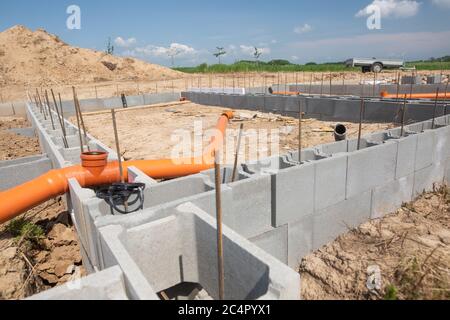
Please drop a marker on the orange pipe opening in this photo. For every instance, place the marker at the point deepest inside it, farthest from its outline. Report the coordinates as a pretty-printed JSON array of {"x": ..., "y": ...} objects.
[{"x": 96, "y": 171}]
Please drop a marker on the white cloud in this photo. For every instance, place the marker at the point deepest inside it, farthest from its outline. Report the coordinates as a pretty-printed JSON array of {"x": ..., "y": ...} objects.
[
  {"x": 175, "y": 49},
  {"x": 295, "y": 58},
  {"x": 250, "y": 50},
  {"x": 125, "y": 43},
  {"x": 442, "y": 3},
  {"x": 409, "y": 45},
  {"x": 303, "y": 29},
  {"x": 392, "y": 8}
]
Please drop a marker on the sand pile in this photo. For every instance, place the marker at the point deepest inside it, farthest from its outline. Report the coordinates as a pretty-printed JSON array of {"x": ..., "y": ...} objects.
[{"x": 39, "y": 58}]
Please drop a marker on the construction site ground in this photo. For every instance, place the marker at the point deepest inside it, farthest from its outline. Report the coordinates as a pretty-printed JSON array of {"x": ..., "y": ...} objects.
[
  {"x": 410, "y": 248},
  {"x": 40, "y": 249},
  {"x": 145, "y": 133}
]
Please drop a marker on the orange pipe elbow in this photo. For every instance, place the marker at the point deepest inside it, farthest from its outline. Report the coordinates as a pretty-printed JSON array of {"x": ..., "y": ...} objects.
[{"x": 95, "y": 171}]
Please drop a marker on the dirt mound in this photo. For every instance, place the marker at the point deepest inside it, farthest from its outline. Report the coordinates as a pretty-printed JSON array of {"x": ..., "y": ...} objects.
[
  {"x": 409, "y": 250},
  {"x": 39, "y": 58}
]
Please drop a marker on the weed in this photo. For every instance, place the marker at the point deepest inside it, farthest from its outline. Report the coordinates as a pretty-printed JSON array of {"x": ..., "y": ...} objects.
[
  {"x": 23, "y": 229},
  {"x": 391, "y": 293}
]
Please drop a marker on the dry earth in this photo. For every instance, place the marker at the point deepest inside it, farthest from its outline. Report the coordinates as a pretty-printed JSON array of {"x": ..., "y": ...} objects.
[
  {"x": 39, "y": 250},
  {"x": 146, "y": 133},
  {"x": 410, "y": 247}
]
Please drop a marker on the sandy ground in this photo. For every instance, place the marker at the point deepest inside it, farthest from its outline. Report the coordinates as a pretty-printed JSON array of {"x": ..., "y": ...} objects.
[
  {"x": 147, "y": 133},
  {"x": 29, "y": 266},
  {"x": 111, "y": 88},
  {"x": 13, "y": 146},
  {"x": 411, "y": 248}
]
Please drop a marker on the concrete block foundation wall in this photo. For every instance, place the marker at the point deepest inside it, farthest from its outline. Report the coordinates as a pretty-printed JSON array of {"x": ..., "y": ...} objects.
[
  {"x": 323, "y": 108},
  {"x": 277, "y": 212}
]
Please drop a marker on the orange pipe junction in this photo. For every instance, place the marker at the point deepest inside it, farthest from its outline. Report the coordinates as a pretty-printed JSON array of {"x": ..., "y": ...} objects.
[{"x": 96, "y": 171}]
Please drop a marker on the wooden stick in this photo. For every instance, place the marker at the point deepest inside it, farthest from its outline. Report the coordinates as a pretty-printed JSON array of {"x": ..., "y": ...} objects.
[
  {"x": 220, "y": 262},
  {"x": 236, "y": 156},
  {"x": 116, "y": 138}
]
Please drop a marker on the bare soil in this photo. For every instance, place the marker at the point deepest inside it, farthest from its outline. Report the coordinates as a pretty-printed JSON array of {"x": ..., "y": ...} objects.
[
  {"x": 146, "y": 133},
  {"x": 411, "y": 248},
  {"x": 31, "y": 266},
  {"x": 14, "y": 146}
]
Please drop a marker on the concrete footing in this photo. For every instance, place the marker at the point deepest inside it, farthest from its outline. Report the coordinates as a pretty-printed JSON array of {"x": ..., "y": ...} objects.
[{"x": 277, "y": 212}]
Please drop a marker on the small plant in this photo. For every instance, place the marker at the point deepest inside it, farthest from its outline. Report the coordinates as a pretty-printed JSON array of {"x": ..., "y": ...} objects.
[
  {"x": 109, "y": 47},
  {"x": 23, "y": 229},
  {"x": 391, "y": 293}
]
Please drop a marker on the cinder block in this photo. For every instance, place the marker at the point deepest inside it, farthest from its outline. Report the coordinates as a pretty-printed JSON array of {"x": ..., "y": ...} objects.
[
  {"x": 442, "y": 144},
  {"x": 371, "y": 167},
  {"x": 293, "y": 194},
  {"x": 330, "y": 181},
  {"x": 105, "y": 285},
  {"x": 425, "y": 150},
  {"x": 300, "y": 240},
  {"x": 251, "y": 203},
  {"x": 390, "y": 197},
  {"x": 406, "y": 156},
  {"x": 274, "y": 242},
  {"x": 425, "y": 179},
  {"x": 338, "y": 219}
]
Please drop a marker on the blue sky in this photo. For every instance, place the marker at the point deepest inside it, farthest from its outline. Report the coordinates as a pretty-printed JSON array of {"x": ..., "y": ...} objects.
[{"x": 300, "y": 31}]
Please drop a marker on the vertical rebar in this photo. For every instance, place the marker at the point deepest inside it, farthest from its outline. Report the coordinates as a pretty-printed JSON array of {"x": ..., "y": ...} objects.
[
  {"x": 49, "y": 109},
  {"x": 361, "y": 116},
  {"x": 220, "y": 264},
  {"x": 236, "y": 156},
  {"x": 78, "y": 120},
  {"x": 321, "y": 86},
  {"x": 300, "y": 118},
  {"x": 310, "y": 83},
  {"x": 78, "y": 107},
  {"x": 66, "y": 145},
  {"x": 411, "y": 85},
  {"x": 374, "y": 83},
  {"x": 403, "y": 116},
  {"x": 62, "y": 112},
  {"x": 331, "y": 82},
  {"x": 435, "y": 108},
  {"x": 116, "y": 138}
]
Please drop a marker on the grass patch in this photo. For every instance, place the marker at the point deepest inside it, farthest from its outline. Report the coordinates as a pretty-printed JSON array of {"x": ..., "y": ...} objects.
[
  {"x": 286, "y": 66},
  {"x": 24, "y": 230}
]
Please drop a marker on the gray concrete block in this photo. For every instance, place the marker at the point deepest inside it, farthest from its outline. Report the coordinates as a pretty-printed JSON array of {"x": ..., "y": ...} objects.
[
  {"x": 406, "y": 156},
  {"x": 254, "y": 217},
  {"x": 293, "y": 194},
  {"x": 426, "y": 179},
  {"x": 330, "y": 181},
  {"x": 14, "y": 173},
  {"x": 371, "y": 167},
  {"x": 425, "y": 150},
  {"x": 274, "y": 242},
  {"x": 390, "y": 197},
  {"x": 442, "y": 144},
  {"x": 300, "y": 240},
  {"x": 331, "y": 222},
  {"x": 104, "y": 285}
]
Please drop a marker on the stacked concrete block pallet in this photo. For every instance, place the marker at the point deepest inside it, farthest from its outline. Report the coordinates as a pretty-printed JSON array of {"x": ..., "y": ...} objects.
[{"x": 280, "y": 205}]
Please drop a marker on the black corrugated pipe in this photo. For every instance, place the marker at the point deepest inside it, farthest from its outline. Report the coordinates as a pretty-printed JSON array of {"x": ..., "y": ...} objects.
[{"x": 340, "y": 132}]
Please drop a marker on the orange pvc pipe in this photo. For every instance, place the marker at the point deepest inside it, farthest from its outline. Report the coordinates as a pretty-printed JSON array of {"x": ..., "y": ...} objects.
[
  {"x": 287, "y": 93},
  {"x": 440, "y": 96},
  {"x": 95, "y": 171}
]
